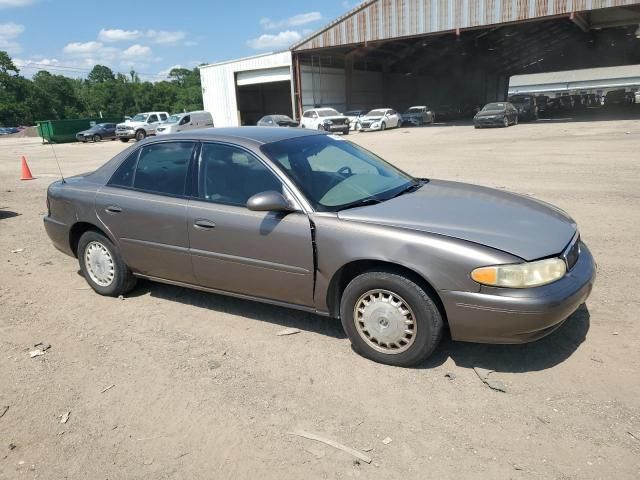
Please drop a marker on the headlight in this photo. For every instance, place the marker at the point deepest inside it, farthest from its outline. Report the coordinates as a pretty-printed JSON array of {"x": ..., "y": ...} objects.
[
  {"x": 522, "y": 275},
  {"x": 329, "y": 122}
]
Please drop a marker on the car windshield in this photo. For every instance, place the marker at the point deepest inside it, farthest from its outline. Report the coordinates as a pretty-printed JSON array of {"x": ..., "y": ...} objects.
[
  {"x": 335, "y": 174},
  {"x": 414, "y": 110},
  {"x": 281, "y": 118},
  {"x": 141, "y": 117},
  {"x": 376, "y": 113},
  {"x": 328, "y": 112},
  {"x": 353, "y": 113},
  {"x": 173, "y": 119},
  {"x": 494, "y": 107}
]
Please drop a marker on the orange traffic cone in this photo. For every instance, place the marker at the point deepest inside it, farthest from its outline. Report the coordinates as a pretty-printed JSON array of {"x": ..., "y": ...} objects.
[{"x": 26, "y": 173}]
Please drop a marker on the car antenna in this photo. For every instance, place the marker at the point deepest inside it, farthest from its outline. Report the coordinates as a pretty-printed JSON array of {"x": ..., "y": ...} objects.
[{"x": 57, "y": 162}]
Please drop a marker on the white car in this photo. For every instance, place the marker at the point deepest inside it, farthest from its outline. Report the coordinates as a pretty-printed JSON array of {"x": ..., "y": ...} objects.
[
  {"x": 354, "y": 116},
  {"x": 327, "y": 119},
  {"x": 140, "y": 126},
  {"x": 181, "y": 122},
  {"x": 380, "y": 119}
]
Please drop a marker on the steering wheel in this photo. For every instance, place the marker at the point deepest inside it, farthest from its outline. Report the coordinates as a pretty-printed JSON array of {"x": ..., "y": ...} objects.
[{"x": 346, "y": 171}]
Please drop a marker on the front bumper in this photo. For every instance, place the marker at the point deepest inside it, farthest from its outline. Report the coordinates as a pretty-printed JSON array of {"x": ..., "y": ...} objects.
[
  {"x": 336, "y": 127},
  {"x": 488, "y": 122},
  {"x": 500, "y": 315}
]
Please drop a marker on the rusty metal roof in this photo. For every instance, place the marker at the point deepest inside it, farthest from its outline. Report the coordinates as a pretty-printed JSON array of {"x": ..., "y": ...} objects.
[{"x": 376, "y": 20}]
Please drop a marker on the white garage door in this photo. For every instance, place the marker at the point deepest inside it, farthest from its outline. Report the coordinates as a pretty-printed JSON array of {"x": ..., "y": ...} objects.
[{"x": 251, "y": 77}]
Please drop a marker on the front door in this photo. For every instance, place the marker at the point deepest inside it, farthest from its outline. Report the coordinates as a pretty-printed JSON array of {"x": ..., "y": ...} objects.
[
  {"x": 144, "y": 207},
  {"x": 261, "y": 254}
]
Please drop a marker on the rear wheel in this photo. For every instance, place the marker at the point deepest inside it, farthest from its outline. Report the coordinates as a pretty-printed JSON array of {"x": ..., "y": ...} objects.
[
  {"x": 390, "y": 319},
  {"x": 102, "y": 265}
]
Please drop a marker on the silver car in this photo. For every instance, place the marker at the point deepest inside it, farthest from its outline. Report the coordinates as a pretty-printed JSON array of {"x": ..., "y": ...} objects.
[{"x": 310, "y": 221}]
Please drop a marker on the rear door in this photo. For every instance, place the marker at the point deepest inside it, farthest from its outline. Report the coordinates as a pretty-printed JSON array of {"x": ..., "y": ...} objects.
[
  {"x": 234, "y": 249},
  {"x": 144, "y": 207}
]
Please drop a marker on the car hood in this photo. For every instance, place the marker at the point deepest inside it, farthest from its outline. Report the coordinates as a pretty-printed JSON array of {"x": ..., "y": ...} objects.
[
  {"x": 513, "y": 223},
  {"x": 490, "y": 113},
  {"x": 371, "y": 119},
  {"x": 131, "y": 124},
  {"x": 334, "y": 117}
]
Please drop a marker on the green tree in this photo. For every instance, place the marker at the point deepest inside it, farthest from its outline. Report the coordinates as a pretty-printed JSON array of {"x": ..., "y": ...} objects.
[{"x": 101, "y": 74}]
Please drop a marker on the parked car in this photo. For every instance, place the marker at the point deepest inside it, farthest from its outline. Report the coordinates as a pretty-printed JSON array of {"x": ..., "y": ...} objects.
[
  {"x": 526, "y": 105},
  {"x": 615, "y": 97},
  {"x": 496, "y": 114},
  {"x": 100, "y": 131},
  {"x": 418, "y": 116},
  {"x": 181, "y": 122},
  {"x": 542, "y": 101},
  {"x": 8, "y": 130},
  {"x": 379, "y": 119},
  {"x": 306, "y": 220},
  {"x": 277, "y": 121},
  {"x": 140, "y": 126},
  {"x": 326, "y": 119},
  {"x": 354, "y": 116}
]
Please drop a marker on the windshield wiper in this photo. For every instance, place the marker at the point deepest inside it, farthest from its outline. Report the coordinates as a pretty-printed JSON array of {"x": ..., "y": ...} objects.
[
  {"x": 411, "y": 188},
  {"x": 360, "y": 203}
]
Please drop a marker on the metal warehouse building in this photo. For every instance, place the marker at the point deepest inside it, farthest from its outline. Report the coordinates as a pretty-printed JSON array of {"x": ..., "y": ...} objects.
[{"x": 399, "y": 53}]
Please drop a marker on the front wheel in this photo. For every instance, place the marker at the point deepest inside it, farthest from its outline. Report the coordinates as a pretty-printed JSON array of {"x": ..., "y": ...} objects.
[
  {"x": 345, "y": 132},
  {"x": 321, "y": 128},
  {"x": 390, "y": 319},
  {"x": 97, "y": 138},
  {"x": 102, "y": 265},
  {"x": 505, "y": 122},
  {"x": 140, "y": 135},
  {"x": 515, "y": 121},
  {"x": 124, "y": 140},
  {"x": 383, "y": 126}
]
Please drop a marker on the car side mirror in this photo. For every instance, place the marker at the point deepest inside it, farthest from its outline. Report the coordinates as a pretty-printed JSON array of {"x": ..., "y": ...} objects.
[{"x": 270, "y": 201}]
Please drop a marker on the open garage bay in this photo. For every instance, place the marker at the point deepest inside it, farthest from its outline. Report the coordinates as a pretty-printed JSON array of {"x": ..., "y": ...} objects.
[{"x": 172, "y": 383}]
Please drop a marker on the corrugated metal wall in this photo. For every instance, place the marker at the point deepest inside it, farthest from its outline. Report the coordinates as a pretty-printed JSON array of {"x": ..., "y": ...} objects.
[
  {"x": 219, "y": 84},
  {"x": 385, "y": 19}
]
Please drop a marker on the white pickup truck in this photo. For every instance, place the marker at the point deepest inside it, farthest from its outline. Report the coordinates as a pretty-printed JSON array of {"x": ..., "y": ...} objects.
[{"x": 140, "y": 126}]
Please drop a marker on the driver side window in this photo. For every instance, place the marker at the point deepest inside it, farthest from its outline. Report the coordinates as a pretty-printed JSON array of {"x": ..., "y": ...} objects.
[{"x": 231, "y": 176}]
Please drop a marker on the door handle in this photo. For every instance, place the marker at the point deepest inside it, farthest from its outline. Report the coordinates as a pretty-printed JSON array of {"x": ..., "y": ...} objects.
[
  {"x": 204, "y": 225},
  {"x": 113, "y": 209}
]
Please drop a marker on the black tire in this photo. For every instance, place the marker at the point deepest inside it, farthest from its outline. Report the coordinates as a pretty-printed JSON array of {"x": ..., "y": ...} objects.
[
  {"x": 124, "y": 140},
  {"x": 321, "y": 128},
  {"x": 383, "y": 126},
  {"x": 345, "y": 132},
  {"x": 476, "y": 126},
  {"x": 515, "y": 121},
  {"x": 123, "y": 280},
  {"x": 427, "y": 317},
  {"x": 505, "y": 122},
  {"x": 97, "y": 138},
  {"x": 140, "y": 135}
]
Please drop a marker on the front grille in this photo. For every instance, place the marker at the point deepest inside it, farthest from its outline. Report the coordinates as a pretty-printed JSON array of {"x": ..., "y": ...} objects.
[
  {"x": 572, "y": 253},
  {"x": 366, "y": 124}
]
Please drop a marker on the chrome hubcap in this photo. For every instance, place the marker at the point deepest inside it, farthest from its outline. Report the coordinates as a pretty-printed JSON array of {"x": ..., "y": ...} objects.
[
  {"x": 385, "y": 321},
  {"x": 99, "y": 263}
]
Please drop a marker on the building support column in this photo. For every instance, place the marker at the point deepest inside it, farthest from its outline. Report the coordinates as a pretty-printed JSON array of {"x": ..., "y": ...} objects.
[{"x": 348, "y": 79}]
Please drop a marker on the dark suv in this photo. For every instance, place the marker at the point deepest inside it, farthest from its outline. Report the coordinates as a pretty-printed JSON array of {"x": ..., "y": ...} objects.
[{"x": 526, "y": 105}]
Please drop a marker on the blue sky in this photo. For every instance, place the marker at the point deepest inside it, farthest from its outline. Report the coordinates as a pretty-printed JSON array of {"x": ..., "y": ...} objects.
[{"x": 68, "y": 36}]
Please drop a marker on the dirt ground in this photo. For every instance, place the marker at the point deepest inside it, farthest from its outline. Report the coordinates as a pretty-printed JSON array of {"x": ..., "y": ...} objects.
[{"x": 203, "y": 388}]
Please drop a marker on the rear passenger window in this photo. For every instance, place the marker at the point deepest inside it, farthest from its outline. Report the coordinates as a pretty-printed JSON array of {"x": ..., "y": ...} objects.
[
  {"x": 162, "y": 168},
  {"x": 231, "y": 176},
  {"x": 124, "y": 174}
]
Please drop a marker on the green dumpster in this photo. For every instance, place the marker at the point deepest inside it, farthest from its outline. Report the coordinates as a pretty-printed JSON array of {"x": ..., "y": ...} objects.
[{"x": 64, "y": 131}]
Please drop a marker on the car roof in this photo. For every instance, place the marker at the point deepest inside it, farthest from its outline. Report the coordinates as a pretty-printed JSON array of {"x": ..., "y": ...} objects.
[{"x": 252, "y": 135}]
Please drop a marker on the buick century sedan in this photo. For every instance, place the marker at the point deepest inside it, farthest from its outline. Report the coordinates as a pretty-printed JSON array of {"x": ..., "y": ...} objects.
[{"x": 308, "y": 220}]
